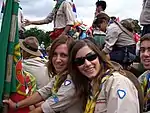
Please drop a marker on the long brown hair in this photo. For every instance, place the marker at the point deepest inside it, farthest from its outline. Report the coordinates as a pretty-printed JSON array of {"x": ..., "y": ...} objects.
[
  {"x": 61, "y": 40},
  {"x": 80, "y": 81}
]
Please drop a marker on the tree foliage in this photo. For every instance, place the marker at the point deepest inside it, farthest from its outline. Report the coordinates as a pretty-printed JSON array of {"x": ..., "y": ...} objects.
[{"x": 40, "y": 35}]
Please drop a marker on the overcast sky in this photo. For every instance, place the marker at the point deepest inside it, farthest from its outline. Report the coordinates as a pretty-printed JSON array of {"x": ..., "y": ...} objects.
[{"x": 39, "y": 9}]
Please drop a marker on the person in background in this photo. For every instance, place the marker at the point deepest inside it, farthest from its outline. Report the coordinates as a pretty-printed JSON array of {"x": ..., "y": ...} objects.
[
  {"x": 119, "y": 42},
  {"x": 63, "y": 18},
  {"x": 58, "y": 94},
  {"x": 144, "y": 79},
  {"x": 81, "y": 29},
  {"x": 102, "y": 88},
  {"x": 100, "y": 25},
  {"x": 112, "y": 19},
  {"x": 145, "y": 17},
  {"x": 21, "y": 23},
  {"x": 32, "y": 62},
  {"x": 100, "y": 7}
]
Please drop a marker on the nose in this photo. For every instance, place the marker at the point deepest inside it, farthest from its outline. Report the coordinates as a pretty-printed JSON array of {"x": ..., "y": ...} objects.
[
  {"x": 87, "y": 63},
  {"x": 58, "y": 59},
  {"x": 146, "y": 53}
]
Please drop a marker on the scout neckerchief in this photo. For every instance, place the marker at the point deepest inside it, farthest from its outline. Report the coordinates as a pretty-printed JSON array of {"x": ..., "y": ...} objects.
[
  {"x": 55, "y": 87},
  {"x": 91, "y": 103},
  {"x": 146, "y": 89},
  {"x": 57, "y": 6}
]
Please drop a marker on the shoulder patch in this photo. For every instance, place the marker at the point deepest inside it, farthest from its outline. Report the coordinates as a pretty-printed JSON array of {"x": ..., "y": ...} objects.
[
  {"x": 67, "y": 82},
  {"x": 121, "y": 93}
]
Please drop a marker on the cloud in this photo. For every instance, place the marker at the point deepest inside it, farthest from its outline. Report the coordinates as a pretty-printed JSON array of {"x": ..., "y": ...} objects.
[{"x": 39, "y": 9}]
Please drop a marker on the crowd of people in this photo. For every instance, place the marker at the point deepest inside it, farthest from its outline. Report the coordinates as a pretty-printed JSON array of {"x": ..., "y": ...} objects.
[{"x": 85, "y": 72}]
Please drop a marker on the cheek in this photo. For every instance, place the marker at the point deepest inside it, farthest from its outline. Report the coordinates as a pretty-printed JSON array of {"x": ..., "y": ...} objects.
[
  {"x": 53, "y": 60},
  {"x": 80, "y": 68},
  {"x": 65, "y": 60},
  {"x": 97, "y": 64},
  {"x": 141, "y": 55}
]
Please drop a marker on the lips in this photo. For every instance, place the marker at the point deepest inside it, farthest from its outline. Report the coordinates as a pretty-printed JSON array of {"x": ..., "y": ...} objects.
[
  {"x": 89, "y": 70},
  {"x": 146, "y": 61}
]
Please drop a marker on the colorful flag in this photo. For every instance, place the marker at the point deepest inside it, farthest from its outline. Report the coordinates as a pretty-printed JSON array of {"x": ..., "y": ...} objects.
[{"x": 8, "y": 40}]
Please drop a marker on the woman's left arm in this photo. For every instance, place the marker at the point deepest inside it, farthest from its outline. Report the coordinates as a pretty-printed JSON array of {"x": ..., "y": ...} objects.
[
  {"x": 122, "y": 96},
  {"x": 62, "y": 100}
]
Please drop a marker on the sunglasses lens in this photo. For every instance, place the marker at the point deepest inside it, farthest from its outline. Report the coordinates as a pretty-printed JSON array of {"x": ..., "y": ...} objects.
[
  {"x": 91, "y": 57},
  {"x": 79, "y": 61}
]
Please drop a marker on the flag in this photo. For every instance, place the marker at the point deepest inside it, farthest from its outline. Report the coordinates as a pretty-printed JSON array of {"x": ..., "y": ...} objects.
[{"x": 8, "y": 41}]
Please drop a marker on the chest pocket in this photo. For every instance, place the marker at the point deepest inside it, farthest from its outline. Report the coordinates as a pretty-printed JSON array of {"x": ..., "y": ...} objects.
[{"x": 101, "y": 102}]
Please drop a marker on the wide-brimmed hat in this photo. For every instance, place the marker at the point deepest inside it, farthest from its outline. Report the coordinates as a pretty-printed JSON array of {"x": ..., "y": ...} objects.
[{"x": 30, "y": 45}]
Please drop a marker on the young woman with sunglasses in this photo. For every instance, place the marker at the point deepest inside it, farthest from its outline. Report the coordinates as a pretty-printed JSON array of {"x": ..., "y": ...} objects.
[
  {"x": 102, "y": 88},
  {"x": 58, "y": 94}
]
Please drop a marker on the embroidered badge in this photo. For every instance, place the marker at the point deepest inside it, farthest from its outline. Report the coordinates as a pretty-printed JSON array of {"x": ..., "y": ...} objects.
[
  {"x": 55, "y": 98},
  {"x": 67, "y": 82},
  {"x": 121, "y": 93}
]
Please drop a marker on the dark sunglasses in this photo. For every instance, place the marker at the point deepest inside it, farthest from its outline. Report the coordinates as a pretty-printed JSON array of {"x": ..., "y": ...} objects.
[{"x": 90, "y": 57}]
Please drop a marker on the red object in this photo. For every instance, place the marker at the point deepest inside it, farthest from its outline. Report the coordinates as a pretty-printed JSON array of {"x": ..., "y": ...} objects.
[
  {"x": 136, "y": 37},
  {"x": 16, "y": 98},
  {"x": 56, "y": 33}
]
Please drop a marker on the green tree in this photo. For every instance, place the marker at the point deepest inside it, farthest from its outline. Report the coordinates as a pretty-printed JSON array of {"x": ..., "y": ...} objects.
[{"x": 40, "y": 34}]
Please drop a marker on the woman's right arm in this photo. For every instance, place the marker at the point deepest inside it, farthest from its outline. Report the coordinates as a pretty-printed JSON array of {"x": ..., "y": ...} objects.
[{"x": 35, "y": 98}]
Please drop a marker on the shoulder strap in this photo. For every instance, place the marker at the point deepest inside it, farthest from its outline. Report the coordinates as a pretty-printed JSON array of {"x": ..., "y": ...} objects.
[
  {"x": 124, "y": 30},
  {"x": 135, "y": 81},
  {"x": 57, "y": 6}
]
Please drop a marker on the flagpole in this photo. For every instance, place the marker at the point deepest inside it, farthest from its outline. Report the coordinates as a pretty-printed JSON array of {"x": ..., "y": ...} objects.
[{"x": 8, "y": 78}]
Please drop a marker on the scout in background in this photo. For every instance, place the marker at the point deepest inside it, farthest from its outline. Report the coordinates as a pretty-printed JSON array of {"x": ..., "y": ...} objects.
[{"x": 63, "y": 17}]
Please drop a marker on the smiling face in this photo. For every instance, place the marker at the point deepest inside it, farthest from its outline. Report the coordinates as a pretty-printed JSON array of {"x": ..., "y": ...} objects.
[
  {"x": 60, "y": 58},
  {"x": 91, "y": 65},
  {"x": 145, "y": 54}
]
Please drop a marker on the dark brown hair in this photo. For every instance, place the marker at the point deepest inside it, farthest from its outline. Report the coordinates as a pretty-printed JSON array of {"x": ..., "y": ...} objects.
[
  {"x": 145, "y": 37},
  {"x": 101, "y": 3},
  {"x": 100, "y": 19},
  {"x": 61, "y": 40},
  {"x": 80, "y": 81}
]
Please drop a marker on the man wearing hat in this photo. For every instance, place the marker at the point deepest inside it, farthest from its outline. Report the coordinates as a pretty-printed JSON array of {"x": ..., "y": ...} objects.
[
  {"x": 100, "y": 7},
  {"x": 32, "y": 62}
]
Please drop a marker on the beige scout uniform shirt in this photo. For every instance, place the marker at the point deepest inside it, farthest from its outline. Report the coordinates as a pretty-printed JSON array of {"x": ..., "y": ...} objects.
[
  {"x": 65, "y": 16},
  {"x": 38, "y": 69},
  {"x": 115, "y": 36},
  {"x": 67, "y": 103},
  {"x": 118, "y": 95}
]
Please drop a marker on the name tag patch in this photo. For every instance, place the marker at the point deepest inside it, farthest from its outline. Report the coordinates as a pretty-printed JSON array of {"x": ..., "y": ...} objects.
[{"x": 121, "y": 93}]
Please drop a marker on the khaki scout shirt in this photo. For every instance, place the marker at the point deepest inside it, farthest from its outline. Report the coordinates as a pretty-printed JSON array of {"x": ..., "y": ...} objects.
[
  {"x": 64, "y": 16},
  {"x": 118, "y": 95},
  {"x": 67, "y": 102}
]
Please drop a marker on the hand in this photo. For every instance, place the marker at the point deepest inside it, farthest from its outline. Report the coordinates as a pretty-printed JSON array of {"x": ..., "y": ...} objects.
[
  {"x": 27, "y": 22},
  {"x": 10, "y": 103},
  {"x": 37, "y": 110}
]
